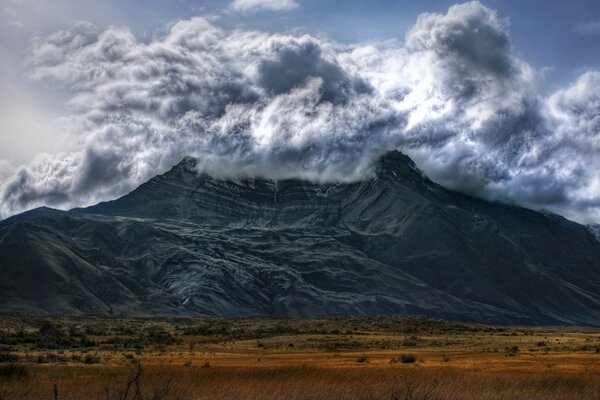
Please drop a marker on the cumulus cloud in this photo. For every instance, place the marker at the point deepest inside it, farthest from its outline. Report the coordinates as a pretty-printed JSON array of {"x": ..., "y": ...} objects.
[
  {"x": 254, "y": 5},
  {"x": 453, "y": 95}
]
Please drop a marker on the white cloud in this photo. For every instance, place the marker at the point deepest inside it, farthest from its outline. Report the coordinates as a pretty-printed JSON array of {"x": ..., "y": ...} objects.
[
  {"x": 254, "y": 5},
  {"x": 588, "y": 28},
  {"x": 453, "y": 96}
]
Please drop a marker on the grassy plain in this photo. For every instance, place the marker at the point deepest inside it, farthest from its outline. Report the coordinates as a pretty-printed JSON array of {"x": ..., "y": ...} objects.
[{"x": 370, "y": 358}]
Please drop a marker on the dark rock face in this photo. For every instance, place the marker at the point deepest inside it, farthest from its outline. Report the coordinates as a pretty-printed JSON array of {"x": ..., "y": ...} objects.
[{"x": 184, "y": 243}]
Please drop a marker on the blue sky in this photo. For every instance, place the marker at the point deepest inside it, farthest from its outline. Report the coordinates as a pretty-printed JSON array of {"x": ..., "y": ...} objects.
[{"x": 498, "y": 99}]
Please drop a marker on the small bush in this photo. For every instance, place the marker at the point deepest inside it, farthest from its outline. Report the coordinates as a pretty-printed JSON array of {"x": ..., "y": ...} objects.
[
  {"x": 407, "y": 359},
  {"x": 86, "y": 342},
  {"x": 96, "y": 330},
  {"x": 50, "y": 357},
  {"x": 412, "y": 341},
  {"x": 158, "y": 336},
  {"x": 51, "y": 336},
  {"x": 197, "y": 330},
  {"x": 513, "y": 350},
  {"x": 404, "y": 359},
  {"x": 74, "y": 331},
  {"x": 91, "y": 359},
  {"x": 361, "y": 359}
]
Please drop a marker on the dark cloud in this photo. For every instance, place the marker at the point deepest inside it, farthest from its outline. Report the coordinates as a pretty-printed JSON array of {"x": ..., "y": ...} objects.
[
  {"x": 292, "y": 61},
  {"x": 453, "y": 95}
]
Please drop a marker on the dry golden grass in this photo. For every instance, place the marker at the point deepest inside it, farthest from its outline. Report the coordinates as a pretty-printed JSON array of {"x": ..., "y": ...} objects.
[{"x": 348, "y": 358}]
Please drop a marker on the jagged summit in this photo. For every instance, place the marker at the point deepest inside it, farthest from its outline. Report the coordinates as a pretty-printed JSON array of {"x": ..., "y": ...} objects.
[
  {"x": 395, "y": 161},
  {"x": 186, "y": 243}
]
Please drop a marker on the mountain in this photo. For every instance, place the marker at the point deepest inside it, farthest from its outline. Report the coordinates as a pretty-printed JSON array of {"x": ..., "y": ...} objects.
[
  {"x": 188, "y": 244},
  {"x": 595, "y": 229}
]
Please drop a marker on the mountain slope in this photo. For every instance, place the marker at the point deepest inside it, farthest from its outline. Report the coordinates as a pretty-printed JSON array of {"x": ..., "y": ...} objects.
[{"x": 184, "y": 243}]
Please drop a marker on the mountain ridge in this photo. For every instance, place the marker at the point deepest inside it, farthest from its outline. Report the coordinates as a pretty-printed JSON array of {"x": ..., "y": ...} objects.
[{"x": 186, "y": 243}]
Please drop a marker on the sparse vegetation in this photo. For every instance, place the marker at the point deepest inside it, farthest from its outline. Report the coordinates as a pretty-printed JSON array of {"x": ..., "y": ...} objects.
[{"x": 331, "y": 358}]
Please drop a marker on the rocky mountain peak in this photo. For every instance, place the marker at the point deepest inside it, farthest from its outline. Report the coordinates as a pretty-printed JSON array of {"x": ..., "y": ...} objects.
[{"x": 183, "y": 243}]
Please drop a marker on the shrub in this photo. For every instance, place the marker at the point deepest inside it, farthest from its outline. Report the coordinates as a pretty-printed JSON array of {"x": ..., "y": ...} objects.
[
  {"x": 197, "y": 330},
  {"x": 42, "y": 359},
  {"x": 407, "y": 358},
  {"x": 91, "y": 359},
  {"x": 404, "y": 359},
  {"x": 86, "y": 342},
  {"x": 512, "y": 351},
  {"x": 96, "y": 330},
  {"x": 412, "y": 341},
  {"x": 361, "y": 359},
  {"x": 51, "y": 336},
  {"x": 50, "y": 357},
  {"x": 74, "y": 331},
  {"x": 157, "y": 336}
]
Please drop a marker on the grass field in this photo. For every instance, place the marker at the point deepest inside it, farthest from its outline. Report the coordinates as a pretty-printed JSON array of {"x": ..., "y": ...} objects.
[{"x": 408, "y": 358}]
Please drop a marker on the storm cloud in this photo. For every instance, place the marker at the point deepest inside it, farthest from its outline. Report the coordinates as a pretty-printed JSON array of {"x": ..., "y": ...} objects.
[{"x": 452, "y": 94}]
